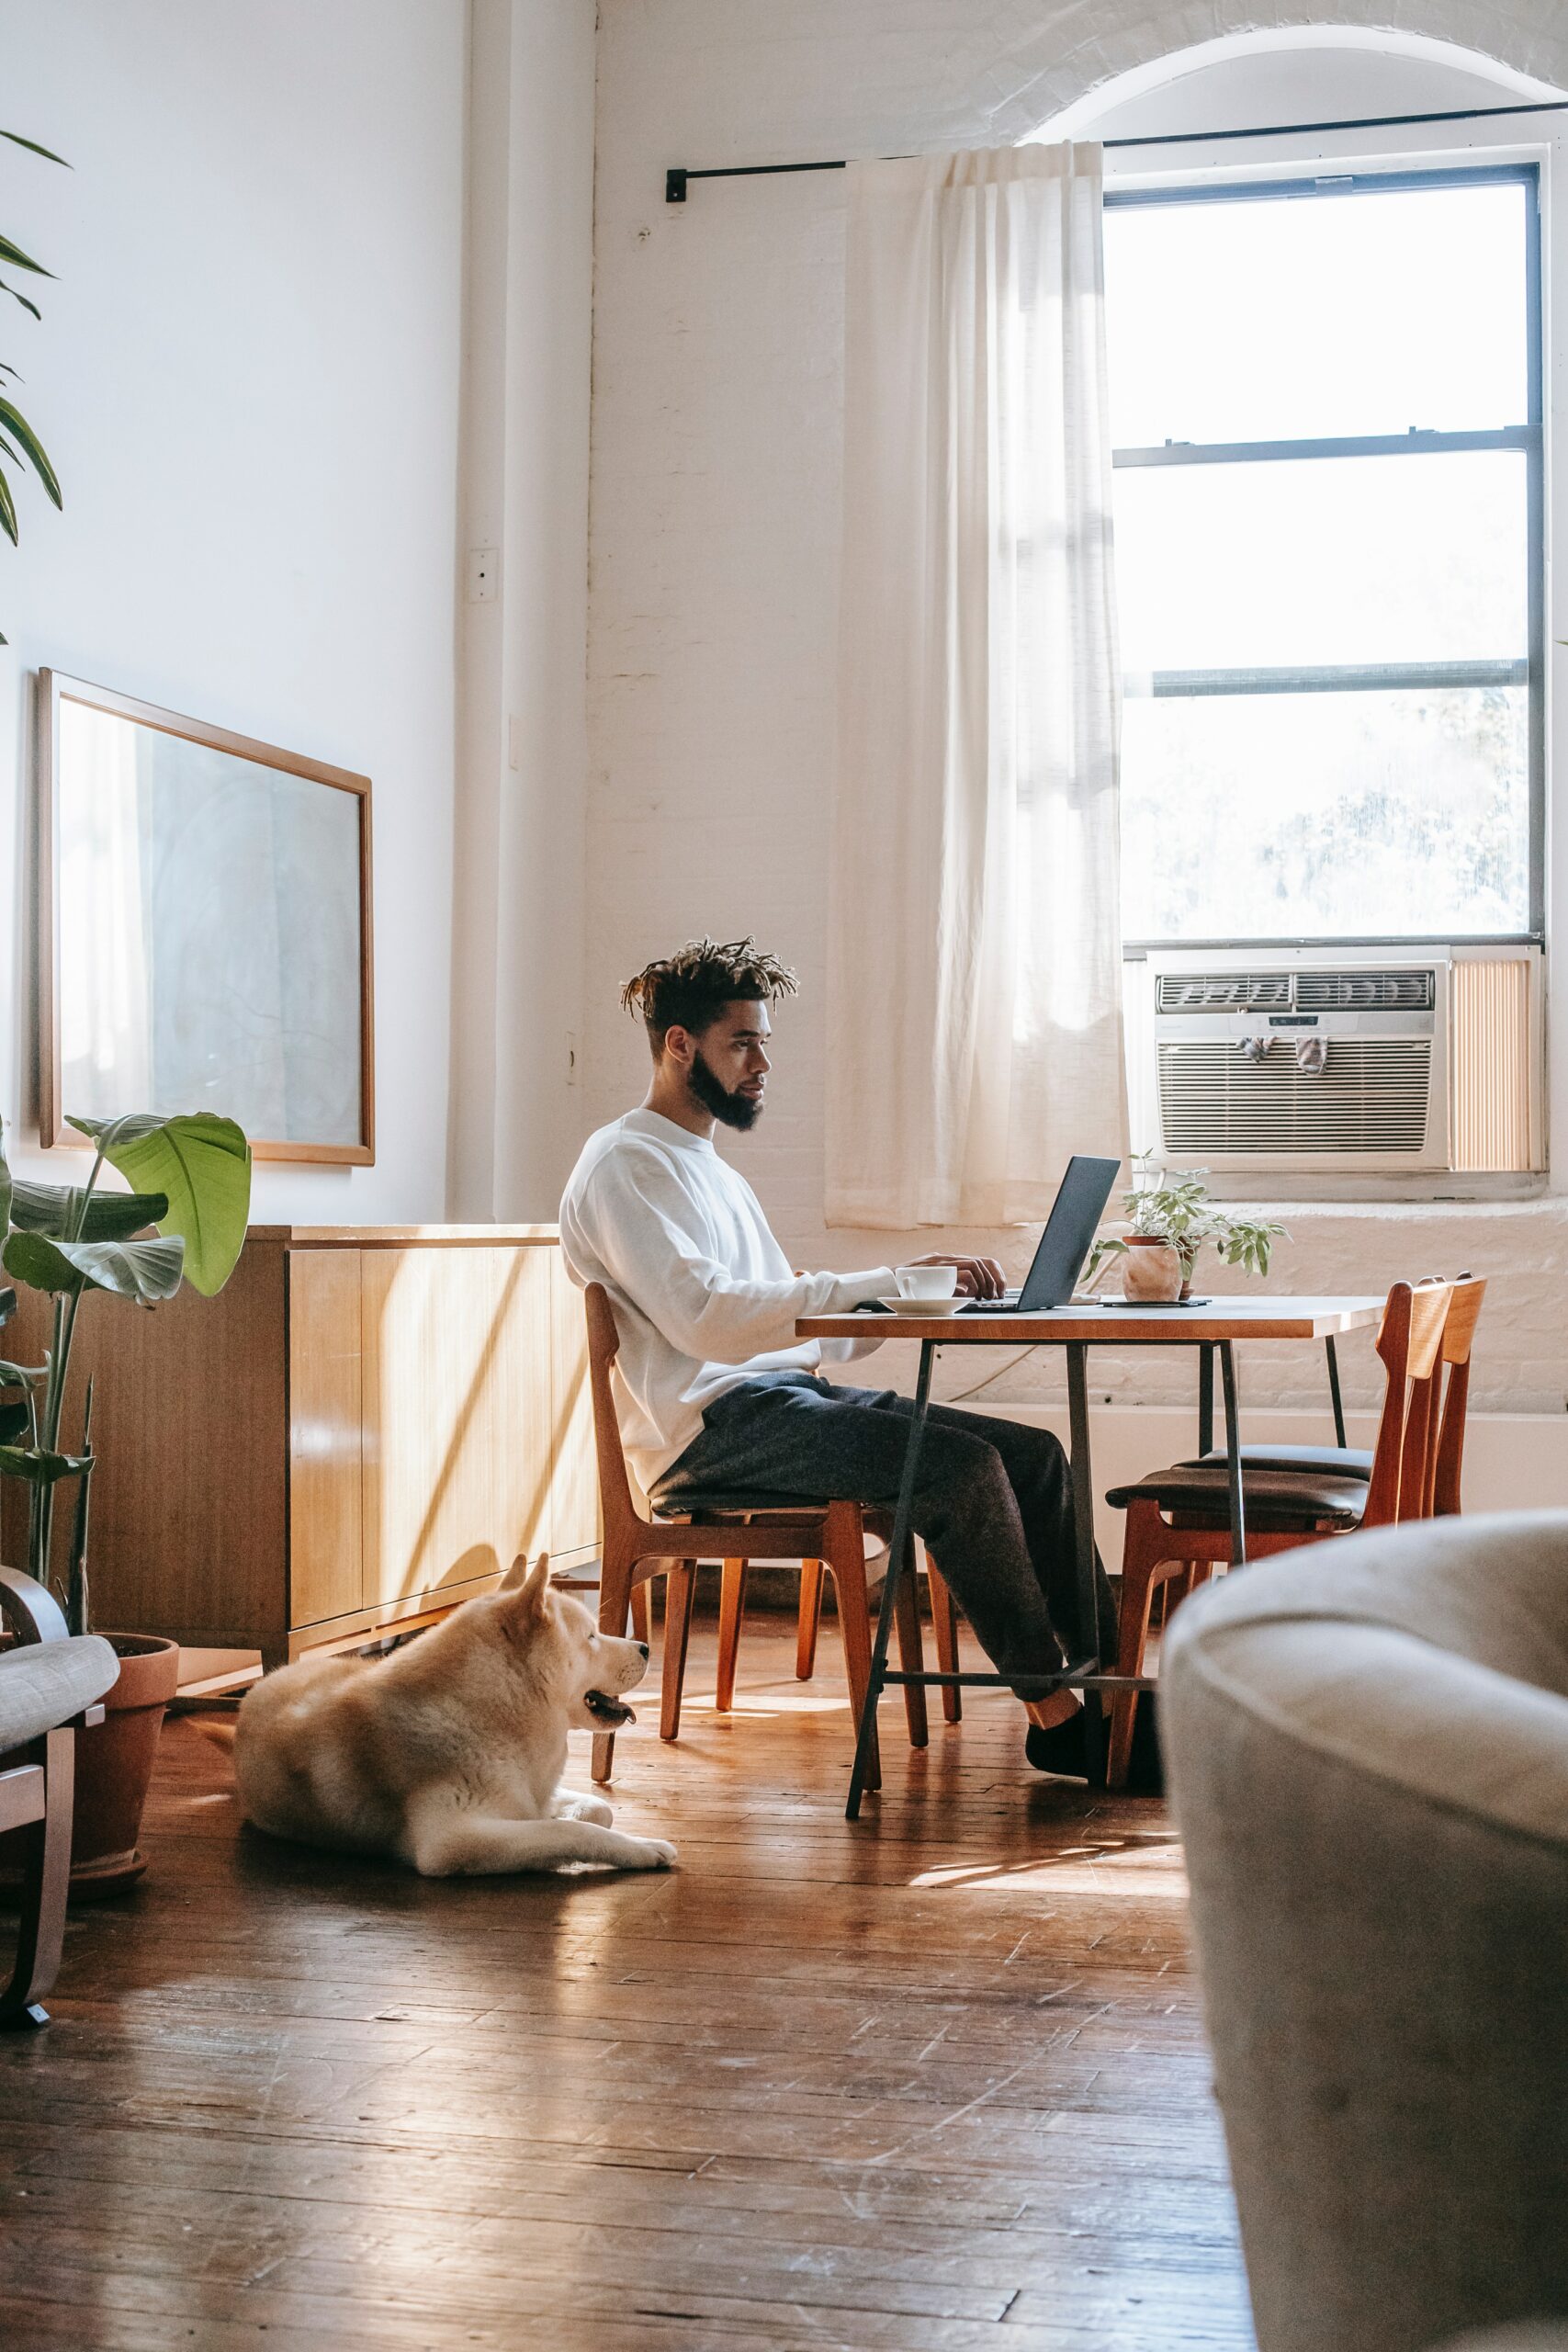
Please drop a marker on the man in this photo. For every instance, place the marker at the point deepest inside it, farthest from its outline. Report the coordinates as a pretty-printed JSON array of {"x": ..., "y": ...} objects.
[{"x": 715, "y": 1391}]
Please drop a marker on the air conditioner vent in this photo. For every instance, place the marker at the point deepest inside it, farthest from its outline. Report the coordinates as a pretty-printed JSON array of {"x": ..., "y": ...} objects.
[
  {"x": 1225, "y": 991},
  {"x": 1397, "y": 991},
  {"x": 1370, "y": 1096}
]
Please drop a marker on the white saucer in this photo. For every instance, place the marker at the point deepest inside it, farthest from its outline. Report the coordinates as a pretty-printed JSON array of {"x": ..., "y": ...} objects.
[{"x": 925, "y": 1307}]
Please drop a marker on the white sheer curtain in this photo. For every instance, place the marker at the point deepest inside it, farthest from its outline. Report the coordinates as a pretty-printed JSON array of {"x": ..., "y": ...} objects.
[{"x": 975, "y": 1035}]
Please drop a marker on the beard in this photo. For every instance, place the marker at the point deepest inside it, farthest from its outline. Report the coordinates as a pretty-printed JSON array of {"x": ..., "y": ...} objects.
[{"x": 739, "y": 1111}]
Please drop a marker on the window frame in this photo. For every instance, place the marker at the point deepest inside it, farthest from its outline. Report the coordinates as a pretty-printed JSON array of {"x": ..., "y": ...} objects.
[{"x": 1528, "y": 438}]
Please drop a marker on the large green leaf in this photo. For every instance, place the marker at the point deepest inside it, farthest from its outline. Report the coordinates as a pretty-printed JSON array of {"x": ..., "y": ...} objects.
[
  {"x": 145, "y": 1271},
  {"x": 8, "y": 513},
  {"x": 21, "y": 432},
  {"x": 203, "y": 1164},
  {"x": 38, "y": 1467},
  {"x": 22, "y": 1375},
  {"x": 111, "y": 1216}
]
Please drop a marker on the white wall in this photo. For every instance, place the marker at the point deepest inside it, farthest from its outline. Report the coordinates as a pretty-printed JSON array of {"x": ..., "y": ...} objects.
[
  {"x": 716, "y": 494},
  {"x": 248, "y": 379}
]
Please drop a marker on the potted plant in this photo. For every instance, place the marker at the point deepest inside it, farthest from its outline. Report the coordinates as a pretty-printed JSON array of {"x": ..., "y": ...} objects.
[
  {"x": 1176, "y": 1215},
  {"x": 190, "y": 1179}
]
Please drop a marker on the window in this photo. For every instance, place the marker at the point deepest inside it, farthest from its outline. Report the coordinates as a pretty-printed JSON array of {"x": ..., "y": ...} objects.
[{"x": 1326, "y": 417}]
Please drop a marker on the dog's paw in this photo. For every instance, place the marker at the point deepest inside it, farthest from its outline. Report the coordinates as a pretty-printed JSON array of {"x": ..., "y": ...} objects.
[
  {"x": 661, "y": 1854},
  {"x": 586, "y": 1809}
]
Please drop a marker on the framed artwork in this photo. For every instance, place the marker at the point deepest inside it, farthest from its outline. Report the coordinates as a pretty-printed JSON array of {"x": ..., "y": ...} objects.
[{"x": 205, "y": 928}]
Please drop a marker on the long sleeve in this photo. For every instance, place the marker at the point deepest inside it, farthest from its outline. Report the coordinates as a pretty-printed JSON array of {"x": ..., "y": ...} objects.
[{"x": 659, "y": 1244}]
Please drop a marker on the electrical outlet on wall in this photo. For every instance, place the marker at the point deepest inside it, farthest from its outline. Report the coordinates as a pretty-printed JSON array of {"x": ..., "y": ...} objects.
[{"x": 484, "y": 575}]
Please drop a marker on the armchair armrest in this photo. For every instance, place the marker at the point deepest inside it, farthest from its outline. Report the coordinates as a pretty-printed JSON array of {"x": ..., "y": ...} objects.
[{"x": 32, "y": 1610}]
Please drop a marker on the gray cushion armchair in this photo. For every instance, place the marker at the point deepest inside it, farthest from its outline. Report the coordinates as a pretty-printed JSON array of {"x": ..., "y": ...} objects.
[
  {"x": 1367, "y": 1748},
  {"x": 49, "y": 1682}
]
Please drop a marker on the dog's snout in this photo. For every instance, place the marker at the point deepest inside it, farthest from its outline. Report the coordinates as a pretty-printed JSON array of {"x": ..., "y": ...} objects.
[{"x": 643, "y": 1647}]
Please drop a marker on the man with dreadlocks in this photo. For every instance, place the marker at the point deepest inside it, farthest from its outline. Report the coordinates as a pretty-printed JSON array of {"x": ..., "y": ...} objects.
[{"x": 716, "y": 1393}]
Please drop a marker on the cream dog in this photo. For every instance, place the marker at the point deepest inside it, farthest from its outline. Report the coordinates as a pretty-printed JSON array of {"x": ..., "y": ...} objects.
[{"x": 448, "y": 1754}]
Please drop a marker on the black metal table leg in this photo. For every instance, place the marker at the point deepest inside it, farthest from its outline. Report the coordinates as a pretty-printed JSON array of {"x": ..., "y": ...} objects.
[
  {"x": 1083, "y": 1527},
  {"x": 897, "y": 1550},
  {"x": 1206, "y": 1397},
  {"x": 1232, "y": 1455},
  {"x": 1332, "y": 1352}
]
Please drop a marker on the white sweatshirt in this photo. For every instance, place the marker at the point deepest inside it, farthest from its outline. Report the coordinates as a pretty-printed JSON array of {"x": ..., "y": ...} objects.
[{"x": 704, "y": 1295}]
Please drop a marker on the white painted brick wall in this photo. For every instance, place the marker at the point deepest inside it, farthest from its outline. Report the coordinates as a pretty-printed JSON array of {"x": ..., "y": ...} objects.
[{"x": 716, "y": 490}]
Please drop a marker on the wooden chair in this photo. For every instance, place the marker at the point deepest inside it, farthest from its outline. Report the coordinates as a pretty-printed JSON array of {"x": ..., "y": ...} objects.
[
  {"x": 1459, "y": 1338},
  {"x": 49, "y": 1684},
  {"x": 1178, "y": 1520},
  {"x": 735, "y": 1529}
]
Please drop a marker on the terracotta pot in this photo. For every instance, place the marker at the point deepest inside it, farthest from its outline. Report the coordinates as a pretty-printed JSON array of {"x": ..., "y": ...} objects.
[
  {"x": 114, "y": 1767},
  {"x": 1151, "y": 1270}
]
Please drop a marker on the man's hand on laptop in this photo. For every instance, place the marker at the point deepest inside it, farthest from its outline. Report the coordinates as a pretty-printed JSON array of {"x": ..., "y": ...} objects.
[{"x": 977, "y": 1277}]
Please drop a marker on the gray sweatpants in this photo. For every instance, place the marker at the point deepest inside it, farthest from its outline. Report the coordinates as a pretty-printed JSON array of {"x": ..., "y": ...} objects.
[{"x": 993, "y": 1499}]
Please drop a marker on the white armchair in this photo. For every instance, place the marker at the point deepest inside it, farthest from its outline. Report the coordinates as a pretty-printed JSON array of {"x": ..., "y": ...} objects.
[
  {"x": 1367, "y": 1748},
  {"x": 49, "y": 1682}
]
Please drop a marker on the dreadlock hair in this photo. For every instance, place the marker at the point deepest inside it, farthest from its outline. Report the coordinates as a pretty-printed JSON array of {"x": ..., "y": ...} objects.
[{"x": 690, "y": 990}]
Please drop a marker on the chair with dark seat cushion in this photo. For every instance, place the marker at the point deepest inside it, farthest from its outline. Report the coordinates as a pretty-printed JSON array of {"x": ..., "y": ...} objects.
[
  {"x": 1178, "y": 1520},
  {"x": 49, "y": 1682},
  {"x": 1355, "y": 1462}
]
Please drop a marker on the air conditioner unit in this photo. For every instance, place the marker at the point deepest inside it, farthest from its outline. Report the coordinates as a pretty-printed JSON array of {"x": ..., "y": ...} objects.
[{"x": 1318, "y": 1059}]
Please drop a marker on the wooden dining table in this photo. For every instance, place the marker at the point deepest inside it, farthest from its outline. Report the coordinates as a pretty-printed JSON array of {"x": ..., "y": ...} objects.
[{"x": 1212, "y": 1325}]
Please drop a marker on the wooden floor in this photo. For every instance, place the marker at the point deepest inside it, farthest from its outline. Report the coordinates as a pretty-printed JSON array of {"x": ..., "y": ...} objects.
[{"x": 931, "y": 2083}]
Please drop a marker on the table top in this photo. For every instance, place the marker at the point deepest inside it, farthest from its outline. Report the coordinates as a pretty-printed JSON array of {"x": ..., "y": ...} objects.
[{"x": 1259, "y": 1317}]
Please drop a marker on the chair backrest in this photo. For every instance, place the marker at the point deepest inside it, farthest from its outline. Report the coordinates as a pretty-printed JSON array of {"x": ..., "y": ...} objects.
[
  {"x": 1459, "y": 1335},
  {"x": 619, "y": 1510},
  {"x": 1410, "y": 1341}
]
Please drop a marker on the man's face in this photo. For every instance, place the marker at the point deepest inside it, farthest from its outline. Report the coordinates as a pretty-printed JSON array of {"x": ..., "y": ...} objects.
[{"x": 727, "y": 1066}]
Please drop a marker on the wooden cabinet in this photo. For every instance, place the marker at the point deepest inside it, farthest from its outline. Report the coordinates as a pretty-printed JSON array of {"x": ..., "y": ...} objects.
[{"x": 365, "y": 1426}]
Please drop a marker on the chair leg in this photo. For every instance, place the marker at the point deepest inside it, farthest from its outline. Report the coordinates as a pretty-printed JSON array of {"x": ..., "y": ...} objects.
[
  {"x": 731, "y": 1608},
  {"x": 945, "y": 1631},
  {"x": 640, "y": 1610},
  {"x": 809, "y": 1620},
  {"x": 911, "y": 1653},
  {"x": 844, "y": 1552},
  {"x": 614, "y": 1602},
  {"x": 1140, "y": 1563},
  {"x": 46, "y": 1883},
  {"x": 678, "y": 1588}
]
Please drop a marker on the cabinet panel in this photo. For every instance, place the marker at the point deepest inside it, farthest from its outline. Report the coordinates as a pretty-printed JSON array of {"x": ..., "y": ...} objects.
[
  {"x": 326, "y": 1564},
  {"x": 457, "y": 1410},
  {"x": 573, "y": 1530}
]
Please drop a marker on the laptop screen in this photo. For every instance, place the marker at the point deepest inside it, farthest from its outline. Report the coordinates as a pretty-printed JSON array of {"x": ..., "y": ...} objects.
[{"x": 1076, "y": 1212}]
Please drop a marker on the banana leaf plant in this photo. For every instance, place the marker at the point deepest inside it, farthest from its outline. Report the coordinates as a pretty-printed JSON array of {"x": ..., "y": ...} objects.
[
  {"x": 19, "y": 445},
  {"x": 190, "y": 1183}
]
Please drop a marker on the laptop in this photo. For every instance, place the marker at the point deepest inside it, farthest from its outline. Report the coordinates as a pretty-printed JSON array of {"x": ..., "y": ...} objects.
[{"x": 1070, "y": 1228}]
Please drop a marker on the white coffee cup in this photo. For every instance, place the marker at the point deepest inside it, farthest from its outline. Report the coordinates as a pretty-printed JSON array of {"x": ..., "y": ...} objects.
[{"x": 926, "y": 1282}]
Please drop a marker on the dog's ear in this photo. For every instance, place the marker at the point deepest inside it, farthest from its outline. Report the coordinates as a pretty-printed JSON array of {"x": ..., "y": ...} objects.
[{"x": 531, "y": 1585}]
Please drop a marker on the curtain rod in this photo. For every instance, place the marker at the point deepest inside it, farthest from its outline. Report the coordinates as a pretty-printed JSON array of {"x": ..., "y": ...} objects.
[{"x": 677, "y": 176}]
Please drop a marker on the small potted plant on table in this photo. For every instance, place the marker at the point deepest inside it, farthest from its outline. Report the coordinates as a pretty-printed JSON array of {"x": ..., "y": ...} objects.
[
  {"x": 190, "y": 1179},
  {"x": 1169, "y": 1221}
]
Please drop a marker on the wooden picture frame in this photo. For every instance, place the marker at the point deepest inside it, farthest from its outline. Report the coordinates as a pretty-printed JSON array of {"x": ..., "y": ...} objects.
[{"x": 53, "y": 689}]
